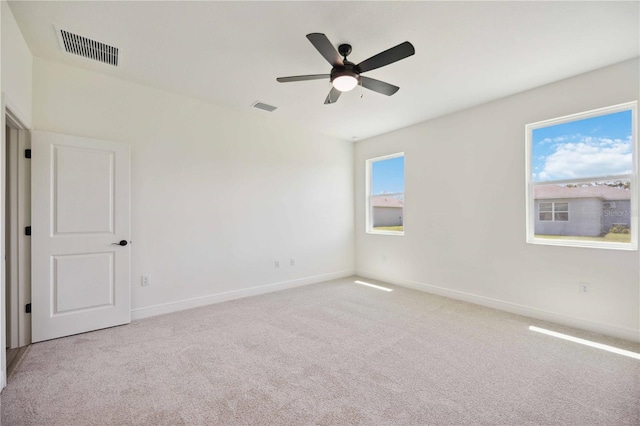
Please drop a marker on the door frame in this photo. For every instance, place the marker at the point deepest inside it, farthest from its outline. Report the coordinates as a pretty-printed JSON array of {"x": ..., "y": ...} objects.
[
  {"x": 19, "y": 211},
  {"x": 11, "y": 117}
]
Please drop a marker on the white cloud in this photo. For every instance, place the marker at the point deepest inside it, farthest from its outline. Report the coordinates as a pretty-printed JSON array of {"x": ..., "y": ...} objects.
[
  {"x": 559, "y": 139},
  {"x": 588, "y": 157}
]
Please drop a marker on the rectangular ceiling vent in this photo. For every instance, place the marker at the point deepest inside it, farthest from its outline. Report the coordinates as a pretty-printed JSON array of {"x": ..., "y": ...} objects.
[
  {"x": 266, "y": 107},
  {"x": 87, "y": 48}
]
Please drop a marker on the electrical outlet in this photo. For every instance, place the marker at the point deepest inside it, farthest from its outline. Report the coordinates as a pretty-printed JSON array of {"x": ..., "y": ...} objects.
[
  {"x": 292, "y": 262},
  {"x": 277, "y": 264},
  {"x": 145, "y": 281},
  {"x": 584, "y": 287}
]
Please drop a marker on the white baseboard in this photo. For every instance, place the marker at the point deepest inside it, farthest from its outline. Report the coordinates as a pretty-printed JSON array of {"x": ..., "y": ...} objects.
[
  {"x": 514, "y": 308},
  {"x": 150, "y": 311}
]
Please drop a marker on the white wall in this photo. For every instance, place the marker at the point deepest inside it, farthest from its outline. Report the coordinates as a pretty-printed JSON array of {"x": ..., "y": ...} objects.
[
  {"x": 465, "y": 213},
  {"x": 17, "y": 65},
  {"x": 217, "y": 195}
]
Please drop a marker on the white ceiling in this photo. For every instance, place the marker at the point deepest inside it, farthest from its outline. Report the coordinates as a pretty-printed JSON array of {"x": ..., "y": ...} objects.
[{"x": 230, "y": 53}]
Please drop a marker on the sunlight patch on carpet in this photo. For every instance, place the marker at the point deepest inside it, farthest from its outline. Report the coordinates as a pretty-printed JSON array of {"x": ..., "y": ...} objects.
[
  {"x": 373, "y": 286},
  {"x": 586, "y": 342}
]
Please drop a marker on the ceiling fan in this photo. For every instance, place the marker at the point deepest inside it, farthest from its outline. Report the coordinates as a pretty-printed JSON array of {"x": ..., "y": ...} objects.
[{"x": 346, "y": 75}]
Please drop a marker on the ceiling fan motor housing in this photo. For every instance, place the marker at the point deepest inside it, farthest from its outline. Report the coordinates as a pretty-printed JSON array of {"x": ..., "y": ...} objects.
[{"x": 349, "y": 69}]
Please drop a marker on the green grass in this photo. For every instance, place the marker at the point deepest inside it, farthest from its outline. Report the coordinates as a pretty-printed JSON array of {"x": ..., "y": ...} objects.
[
  {"x": 389, "y": 228},
  {"x": 610, "y": 238}
]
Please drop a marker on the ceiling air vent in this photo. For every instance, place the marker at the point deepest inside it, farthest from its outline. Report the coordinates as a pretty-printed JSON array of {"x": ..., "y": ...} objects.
[
  {"x": 87, "y": 48},
  {"x": 266, "y": 107}
]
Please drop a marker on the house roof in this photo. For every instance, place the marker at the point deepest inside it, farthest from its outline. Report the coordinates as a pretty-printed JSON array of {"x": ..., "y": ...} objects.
[
  {"x": 604, "y": 192},
  {"x": 386, "y": 201}
]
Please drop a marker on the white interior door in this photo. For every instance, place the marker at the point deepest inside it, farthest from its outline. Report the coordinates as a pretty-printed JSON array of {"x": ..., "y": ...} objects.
[{"x": 80, "y": 213}]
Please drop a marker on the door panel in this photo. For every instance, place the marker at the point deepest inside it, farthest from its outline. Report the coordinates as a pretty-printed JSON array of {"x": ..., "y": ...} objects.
[
  {"x": 83, "y": 205},
  {"x": 80, "y": 209},
  {"x": 82, "y": 281}
]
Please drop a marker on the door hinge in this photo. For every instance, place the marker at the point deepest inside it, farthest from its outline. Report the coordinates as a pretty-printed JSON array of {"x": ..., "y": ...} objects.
[
  {"x": 27, "y": 153},
  {"x": 27, "y": 308},
  {"x": 27, "y": 230}
]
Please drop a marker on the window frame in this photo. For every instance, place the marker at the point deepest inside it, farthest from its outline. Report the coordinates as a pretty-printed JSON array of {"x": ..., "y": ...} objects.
[
  {"x": 530, "y": 210},
  {"x": 368, "y": 196}
]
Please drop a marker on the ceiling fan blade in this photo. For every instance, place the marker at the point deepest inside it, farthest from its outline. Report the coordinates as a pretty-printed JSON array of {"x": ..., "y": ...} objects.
[
  {"x": 387, "y": 57},
  {"x": 378, "y": 86},
  {"x": 326, "y": 49},
  {"x": 333, "y": 96},
  {"x": 302, "y": 77}
]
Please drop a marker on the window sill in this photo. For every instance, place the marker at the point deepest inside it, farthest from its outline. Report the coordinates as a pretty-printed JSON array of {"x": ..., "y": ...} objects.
[
  {"x": 584, "y": 244},
  {"x": 396, "y": 233}
]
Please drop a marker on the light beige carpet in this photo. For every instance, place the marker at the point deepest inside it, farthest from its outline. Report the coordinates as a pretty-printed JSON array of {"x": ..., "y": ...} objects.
[{"x": 335, "y": 353}]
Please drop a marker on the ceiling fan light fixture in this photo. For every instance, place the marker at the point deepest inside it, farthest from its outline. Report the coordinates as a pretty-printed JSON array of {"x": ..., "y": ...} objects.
[{"x": 344, "y": 81}]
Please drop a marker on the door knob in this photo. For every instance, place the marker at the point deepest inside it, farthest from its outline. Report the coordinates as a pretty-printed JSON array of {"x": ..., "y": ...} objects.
[{"x": 121, "y": 243}]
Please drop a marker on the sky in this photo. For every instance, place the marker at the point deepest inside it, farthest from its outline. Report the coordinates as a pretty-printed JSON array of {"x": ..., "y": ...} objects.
[
  {"x": 596, "y": 146},
  {"x": 388, "y": 176}
]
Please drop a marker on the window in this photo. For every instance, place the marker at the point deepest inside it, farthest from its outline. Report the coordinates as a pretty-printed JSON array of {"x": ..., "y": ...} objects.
[
  {"x": 385, "y": 195},
  {"x": 553, "y": 211},
  {"x": 581, "y": 177}
]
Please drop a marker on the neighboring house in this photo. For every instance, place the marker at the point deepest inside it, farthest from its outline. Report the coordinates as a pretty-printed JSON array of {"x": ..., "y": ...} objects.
[
  {"x": 581, "y": 211},
  {"x": 387, "y": 210}
]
